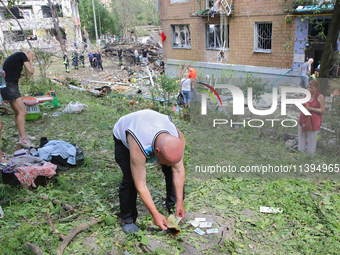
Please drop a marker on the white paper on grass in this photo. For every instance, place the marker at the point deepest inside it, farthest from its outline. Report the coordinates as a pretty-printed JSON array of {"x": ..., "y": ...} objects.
[
  {"x": 265, "y": 209},
  {"x": 199, "y": 231},
  {"x": 212, "y": 231},
  {"x": 200, "y": 219},
  {"x": 194, "y": 223},
  {"x": 206, "y": 225}
]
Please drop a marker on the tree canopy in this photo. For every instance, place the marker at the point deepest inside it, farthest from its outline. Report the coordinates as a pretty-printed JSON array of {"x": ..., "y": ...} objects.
[{"x": 108, "y": 21}]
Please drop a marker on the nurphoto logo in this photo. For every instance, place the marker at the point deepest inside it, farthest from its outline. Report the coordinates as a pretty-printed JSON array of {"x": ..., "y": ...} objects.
[{"x": 238, "y": 104}]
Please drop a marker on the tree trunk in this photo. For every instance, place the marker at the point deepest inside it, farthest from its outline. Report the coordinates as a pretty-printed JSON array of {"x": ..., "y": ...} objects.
[
  {"x": 55, "y": 21},
  {"x": 330, "y": 48}
]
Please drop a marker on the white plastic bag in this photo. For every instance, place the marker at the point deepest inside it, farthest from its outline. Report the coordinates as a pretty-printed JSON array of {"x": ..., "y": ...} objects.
[{"x": 74, "y": 107}]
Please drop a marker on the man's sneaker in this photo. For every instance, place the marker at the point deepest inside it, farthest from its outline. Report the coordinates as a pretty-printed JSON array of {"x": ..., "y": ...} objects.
[{"x": 26, "y": 142}]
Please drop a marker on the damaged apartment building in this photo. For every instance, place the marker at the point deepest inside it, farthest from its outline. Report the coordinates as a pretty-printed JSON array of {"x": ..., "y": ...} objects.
[
  {"x": 35, "y": 17},
  {"x": 255, "y": 36}
]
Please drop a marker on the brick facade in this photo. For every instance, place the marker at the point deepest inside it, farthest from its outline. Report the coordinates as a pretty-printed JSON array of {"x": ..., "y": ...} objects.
[{"x": 241, "y": 33}]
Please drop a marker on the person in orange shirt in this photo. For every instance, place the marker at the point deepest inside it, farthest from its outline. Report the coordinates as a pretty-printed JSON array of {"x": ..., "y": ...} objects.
[{"x": 192, "y": 77}]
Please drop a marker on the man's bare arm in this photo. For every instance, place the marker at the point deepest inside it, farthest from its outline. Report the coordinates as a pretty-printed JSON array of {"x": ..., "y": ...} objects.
[
  {"x": 29, "y": 66},
  {"x": 138, "y": 171},
  {"x": 178, "y": 177}
]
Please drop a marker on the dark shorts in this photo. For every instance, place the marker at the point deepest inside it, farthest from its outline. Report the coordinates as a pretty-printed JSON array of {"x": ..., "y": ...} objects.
[{"x": 11, "y": 92}]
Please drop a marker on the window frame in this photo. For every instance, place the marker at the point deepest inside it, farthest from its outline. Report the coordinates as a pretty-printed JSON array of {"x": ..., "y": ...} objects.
[
  {"x": 207, "y": 4},
  {"x": 256, "y": 37},
  {"x": 174, "y": 39},
  {"x": 207, "y": 37}
]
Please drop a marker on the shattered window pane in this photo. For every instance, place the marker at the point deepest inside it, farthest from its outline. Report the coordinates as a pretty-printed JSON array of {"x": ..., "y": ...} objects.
[
  {"x": 214, "y": 40},
  {"x": 180, "y": 36},
  {"x": 17, "y": 35},
  {"x": 46, "y": 11},
  {"x": 263, "y": 36}
]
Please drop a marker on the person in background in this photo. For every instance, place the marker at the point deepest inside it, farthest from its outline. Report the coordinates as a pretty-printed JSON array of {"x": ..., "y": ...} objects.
[
  {"x": 136, "y": 56},
  {"x": 192, "y": 77},
  {"x": 82, "y": 59},
  {"x": 98, "y": 58},
  {"x": 315, "y": 75},
  {"x": 305, "y": 70},
  {"x": 215, "y": 8},
  {"x": 66, "y": 62},
  {"x": 185, "y": 89},
  {"x": 316, "y": 106},
  {"x": 120, "y": 56},
  {"x": 145, "y": 55},
  {"x": 75, "y": 59},
  {"x": 13, "y": 66},
  {"x": 90, "y": 55}
]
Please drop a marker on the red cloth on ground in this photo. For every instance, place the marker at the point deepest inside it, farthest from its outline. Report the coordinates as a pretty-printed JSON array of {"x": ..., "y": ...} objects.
[
  {"x": 316, "y": 117},
  {"x": 28, "y": 174}
]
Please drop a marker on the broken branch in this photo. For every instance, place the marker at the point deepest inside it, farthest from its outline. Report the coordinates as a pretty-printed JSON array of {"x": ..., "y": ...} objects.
[
  {"x": 73, "y": 233},
  {"x": 56, "y": 201},
  {"x": 35, "y": 248},
  {"x": 53, "y": 227}
]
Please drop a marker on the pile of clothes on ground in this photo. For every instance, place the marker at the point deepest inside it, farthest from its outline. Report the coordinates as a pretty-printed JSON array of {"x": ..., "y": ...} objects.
[{"x": 34, "y": 166}]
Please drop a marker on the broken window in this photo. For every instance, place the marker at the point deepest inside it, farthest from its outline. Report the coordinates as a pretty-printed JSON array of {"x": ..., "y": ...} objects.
[
  {"x": 263, "y": 37},
  {"x": 180, "y": 36},
  {"x": 46, "y": 11},
  {"x": 18, "y": 36},
  {"x": 214, "y": 40},
  {"x": 209, "y": 4},
  {"x": 19, "y": 13},
  {"x": 318, "y": 30}
]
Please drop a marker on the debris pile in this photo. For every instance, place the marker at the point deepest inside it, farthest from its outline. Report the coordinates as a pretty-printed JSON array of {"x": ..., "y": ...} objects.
[{"x": 153, "y": 48}]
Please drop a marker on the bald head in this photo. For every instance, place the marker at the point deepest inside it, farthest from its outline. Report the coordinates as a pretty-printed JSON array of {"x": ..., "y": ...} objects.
[
  {"x": 168, "y": 149},
  {"x": 311, "y": 60},
  {"x": 29, "y": 53}
]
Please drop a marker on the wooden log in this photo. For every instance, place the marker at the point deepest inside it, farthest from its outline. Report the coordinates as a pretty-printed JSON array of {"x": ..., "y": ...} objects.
[
  {"x": 73, "y": 233},
  {"x": 35, "y": 248}
]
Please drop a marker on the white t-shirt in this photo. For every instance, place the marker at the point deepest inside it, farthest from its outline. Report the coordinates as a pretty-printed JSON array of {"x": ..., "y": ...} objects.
[
  {"x": 185, "y": 84},
  {"x": 144, "y": 126}
]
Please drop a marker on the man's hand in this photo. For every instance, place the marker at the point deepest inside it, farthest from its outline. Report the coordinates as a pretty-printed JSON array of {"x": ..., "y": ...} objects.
[
  {"x": 22, "y": 75},
  {"x": 180, "y": 211},
  {"x": 3, "y": 75},
  {"x": 160, "y": 221}
]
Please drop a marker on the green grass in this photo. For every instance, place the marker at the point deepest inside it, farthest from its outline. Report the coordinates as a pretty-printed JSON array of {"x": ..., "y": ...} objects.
[{"x": 93, "y": 188}]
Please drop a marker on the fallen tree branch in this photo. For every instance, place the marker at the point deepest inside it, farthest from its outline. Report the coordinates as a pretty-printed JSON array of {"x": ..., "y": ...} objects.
[
  {"x": 56, "y": 201},
  {"x": 283, "y": 238},
  {"x": 73, "y": 233},
  {"x": 35, "y": 248},
  {"x": 53, "y": 227}
]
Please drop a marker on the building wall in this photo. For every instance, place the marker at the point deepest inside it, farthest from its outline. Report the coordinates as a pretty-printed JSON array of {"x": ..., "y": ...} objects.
[
  {"x": 40, "y": 25},
  {"x": 241, "y": 33}
]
